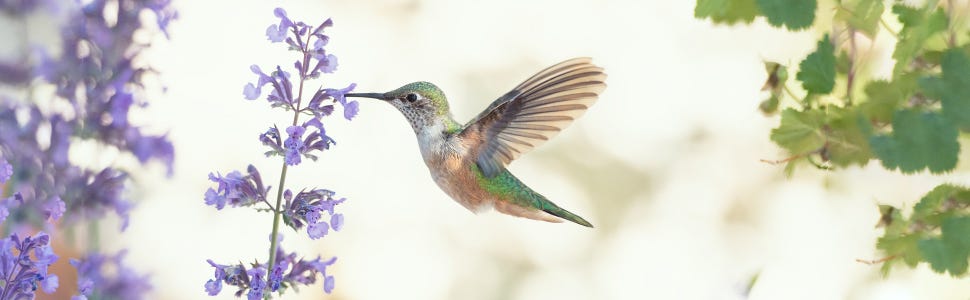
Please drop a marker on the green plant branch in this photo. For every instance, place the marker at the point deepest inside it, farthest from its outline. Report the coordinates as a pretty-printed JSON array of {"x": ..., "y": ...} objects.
[{"x": 274, "y": 244}]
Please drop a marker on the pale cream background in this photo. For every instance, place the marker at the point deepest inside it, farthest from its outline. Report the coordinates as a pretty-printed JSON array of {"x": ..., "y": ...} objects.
[{"x": 666, "y": 164}]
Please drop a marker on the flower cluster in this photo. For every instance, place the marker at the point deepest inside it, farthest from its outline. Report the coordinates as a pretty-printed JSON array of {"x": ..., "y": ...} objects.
[
  {"x": 108, "y": 277},
  {"x": 306, "y": 208},
  {"x": 99, "y": 54},
  {"x": 288, "y": 270},
  {"x": 21, "y": 273},
  {"x": 297, "y": 141},
  {"x": 296, "y": 146},
  {"x": 97, "y": 81},
  {"x": 237, "y": 190}
]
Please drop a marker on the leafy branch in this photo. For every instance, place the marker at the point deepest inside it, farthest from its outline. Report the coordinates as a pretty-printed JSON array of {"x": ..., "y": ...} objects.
[{"x": 910, "y": 121}]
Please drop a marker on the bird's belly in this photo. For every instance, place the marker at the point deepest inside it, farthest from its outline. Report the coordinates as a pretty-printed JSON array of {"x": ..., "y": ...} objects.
[{"x": 457, "y": 180}]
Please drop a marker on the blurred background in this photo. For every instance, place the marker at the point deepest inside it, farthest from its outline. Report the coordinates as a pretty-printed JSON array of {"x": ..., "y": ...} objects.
[{"x": 666, "y": 164}]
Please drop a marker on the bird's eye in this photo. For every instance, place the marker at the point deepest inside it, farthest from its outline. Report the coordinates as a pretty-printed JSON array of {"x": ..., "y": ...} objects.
[{"x": 411, "y": 97}]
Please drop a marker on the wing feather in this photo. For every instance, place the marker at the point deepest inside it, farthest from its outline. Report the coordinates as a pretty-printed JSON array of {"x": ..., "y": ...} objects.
[{"x": 534, "y": 112}]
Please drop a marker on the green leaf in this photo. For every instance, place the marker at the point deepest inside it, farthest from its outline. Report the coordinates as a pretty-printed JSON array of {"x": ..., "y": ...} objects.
[
  {"x": 847, "y": 144},
  {"x": 938, "y": 205},
  {"x": 862, "y": 15},
  {"x": 933, "y": 203},
  {"x": 817, "y": 71},
  {"x": 726, "y": 11},
  {"x": 883, "y": 98},
  {"x": 919, "y": 140},
  {"x": 952, "y": 88},
  {"x": 843, "y": 62},
  {"x": 918, "y": 26},
  {"x": 950, "y": 251},
  {"x": 800, "y": 131},
  {"x": 794, "y": 14},
  {"x": 903, "y": 246}
]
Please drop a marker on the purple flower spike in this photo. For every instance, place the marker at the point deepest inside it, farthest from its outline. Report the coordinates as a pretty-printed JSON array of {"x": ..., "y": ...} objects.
[{"x": 310, "y": 208}]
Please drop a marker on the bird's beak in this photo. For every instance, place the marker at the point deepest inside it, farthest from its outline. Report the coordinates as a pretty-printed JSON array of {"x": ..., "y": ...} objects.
[{"x": 378, "y": 96}]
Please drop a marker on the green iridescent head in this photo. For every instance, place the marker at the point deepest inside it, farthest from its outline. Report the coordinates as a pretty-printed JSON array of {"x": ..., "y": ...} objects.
[{"x": 421, "y": 102}]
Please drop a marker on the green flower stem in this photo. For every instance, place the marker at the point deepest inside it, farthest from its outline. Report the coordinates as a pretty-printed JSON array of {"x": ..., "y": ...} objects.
[{"x": 279, "y": 190}]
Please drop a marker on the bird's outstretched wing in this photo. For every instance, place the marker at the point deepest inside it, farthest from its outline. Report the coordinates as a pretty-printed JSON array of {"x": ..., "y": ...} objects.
[{"x": 534, "y": 112}]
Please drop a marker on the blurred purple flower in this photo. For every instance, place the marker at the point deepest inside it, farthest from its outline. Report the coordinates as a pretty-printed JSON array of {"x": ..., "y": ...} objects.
[
  {"x": 109, "y": 278},
  {"x": 97, "y": 80},
  {"x": 97, "y": 193},
  {"x": 6, "y": 170},
  {"x": 55, "y": 209}
]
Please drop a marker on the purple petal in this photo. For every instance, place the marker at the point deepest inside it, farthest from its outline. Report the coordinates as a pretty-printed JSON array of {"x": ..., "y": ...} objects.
[
  {"x": 213, "y": 198},
  {"x": 337, "y": 221},
  {"x": 312, "y": 216},
  {"x": 350, "y": 109},
  {"x": 331, "y": 64},
  {"x": 279, "y": 12},
  {"x": 317, "y": 230},
  {"x": 251, "y": 91},
  {"x": 213, "y": 287},
  {"x": 49, "y": 284},
  {"x": 276, "y": 34},
  {"x": 328, "y": 284}
]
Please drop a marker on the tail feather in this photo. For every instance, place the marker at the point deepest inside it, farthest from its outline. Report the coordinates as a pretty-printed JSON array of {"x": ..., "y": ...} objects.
[{"x": 555, "y": 210}]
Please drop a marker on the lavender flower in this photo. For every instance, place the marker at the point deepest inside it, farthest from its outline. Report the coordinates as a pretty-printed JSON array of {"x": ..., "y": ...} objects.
[
  {"x": 97, "y": 84},
  {"x": 236, "y": 190},
  {"x": 109, "y": 278},
  {"x": 288, "y": 271},
  {"x": 22, "y": 273},
  {"x": 296, "y": 146},
  {"x": 107, "y": 75},
  {"x": 306, "y": 209},
  {"x": 301, "y": 140}
]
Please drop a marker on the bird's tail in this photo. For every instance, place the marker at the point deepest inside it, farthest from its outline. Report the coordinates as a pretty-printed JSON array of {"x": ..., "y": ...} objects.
[{"x": 555, "y": 210}]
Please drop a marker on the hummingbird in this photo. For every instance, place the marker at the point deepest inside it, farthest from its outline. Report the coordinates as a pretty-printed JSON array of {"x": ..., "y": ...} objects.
[{"x": 468, "y": 162}]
